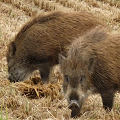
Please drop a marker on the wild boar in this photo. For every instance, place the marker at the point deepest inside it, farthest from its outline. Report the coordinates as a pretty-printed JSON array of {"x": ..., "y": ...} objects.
[
  {"x": 92, "y": 65},
  {"x": 38, "y": 43}
]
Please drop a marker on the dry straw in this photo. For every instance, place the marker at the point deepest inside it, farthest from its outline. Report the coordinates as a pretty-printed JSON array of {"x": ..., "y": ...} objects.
[{"x": 35, "y": 89}]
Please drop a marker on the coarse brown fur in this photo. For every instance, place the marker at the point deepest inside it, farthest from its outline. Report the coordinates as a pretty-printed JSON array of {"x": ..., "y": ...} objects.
[
  {"x": 92, "y": 65},
  {"x": 38, "y": 43}
]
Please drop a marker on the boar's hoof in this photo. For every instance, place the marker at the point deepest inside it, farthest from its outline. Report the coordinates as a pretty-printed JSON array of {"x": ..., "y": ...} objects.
[
  {"x": 107, "y": 109},
  {"x": 74, "y": 106},
  {"x": 9, "y": 78}
]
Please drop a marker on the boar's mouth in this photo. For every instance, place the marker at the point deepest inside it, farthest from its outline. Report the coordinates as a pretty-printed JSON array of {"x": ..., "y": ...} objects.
[{"x": 74, "y": 106}]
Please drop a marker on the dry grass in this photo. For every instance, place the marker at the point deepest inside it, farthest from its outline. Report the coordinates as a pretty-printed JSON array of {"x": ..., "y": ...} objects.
[
  {"x": 35, "y": 89},
  {"x": 112, "y": 2},
  {"x": 30, "y": 100}
]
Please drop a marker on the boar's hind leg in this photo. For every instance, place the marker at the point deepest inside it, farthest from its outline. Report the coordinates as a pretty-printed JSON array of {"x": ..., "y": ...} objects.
[{"x": 107, "y": 99}]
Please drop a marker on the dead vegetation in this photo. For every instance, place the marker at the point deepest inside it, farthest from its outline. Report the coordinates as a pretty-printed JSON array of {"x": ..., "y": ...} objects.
[
  {"x": 34, "y": 89},
  {"x": 30, "y": 100}
]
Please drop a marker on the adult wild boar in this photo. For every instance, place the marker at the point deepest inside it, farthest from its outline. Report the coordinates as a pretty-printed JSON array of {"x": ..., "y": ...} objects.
[
  {"x": 92, "y": 65},
  {"x": 38, "y": 43}
]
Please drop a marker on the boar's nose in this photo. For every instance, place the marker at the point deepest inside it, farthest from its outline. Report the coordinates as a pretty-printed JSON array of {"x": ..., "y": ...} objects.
[{"x": 74, "y": 106}]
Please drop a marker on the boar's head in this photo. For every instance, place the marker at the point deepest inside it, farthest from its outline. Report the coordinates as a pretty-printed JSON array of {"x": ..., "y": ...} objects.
[
  {"x": 77, "y": 86},
  {"x": 18, "y": 68}
]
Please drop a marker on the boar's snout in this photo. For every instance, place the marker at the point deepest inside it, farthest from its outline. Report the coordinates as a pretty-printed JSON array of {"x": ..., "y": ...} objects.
[{"x": 74, "y": 106}]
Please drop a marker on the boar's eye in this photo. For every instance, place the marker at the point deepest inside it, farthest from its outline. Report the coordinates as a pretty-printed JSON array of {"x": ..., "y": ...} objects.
[
  {"x": 82, "y": 78},
  {"x": 66, "y": 78}
]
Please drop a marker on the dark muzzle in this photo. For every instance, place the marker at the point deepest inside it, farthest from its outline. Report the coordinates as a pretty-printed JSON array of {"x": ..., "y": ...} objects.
[{"x": 74, "y": 106}]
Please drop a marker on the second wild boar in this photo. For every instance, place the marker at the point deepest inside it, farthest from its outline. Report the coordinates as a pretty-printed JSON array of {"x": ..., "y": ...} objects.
[{"x": 92, "y": 65}]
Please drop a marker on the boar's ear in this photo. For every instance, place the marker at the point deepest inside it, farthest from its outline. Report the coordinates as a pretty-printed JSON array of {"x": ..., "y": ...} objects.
[
  {"x": 61, "y": 58},
  {"x": 12, "y": 49},
  {"x": 91, "y": 64}
]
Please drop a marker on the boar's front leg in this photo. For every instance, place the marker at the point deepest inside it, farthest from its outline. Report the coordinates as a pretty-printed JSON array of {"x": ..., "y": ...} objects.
[
  {"x": 44, "y": 72},
  {"x": 107, "y": 99}
]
